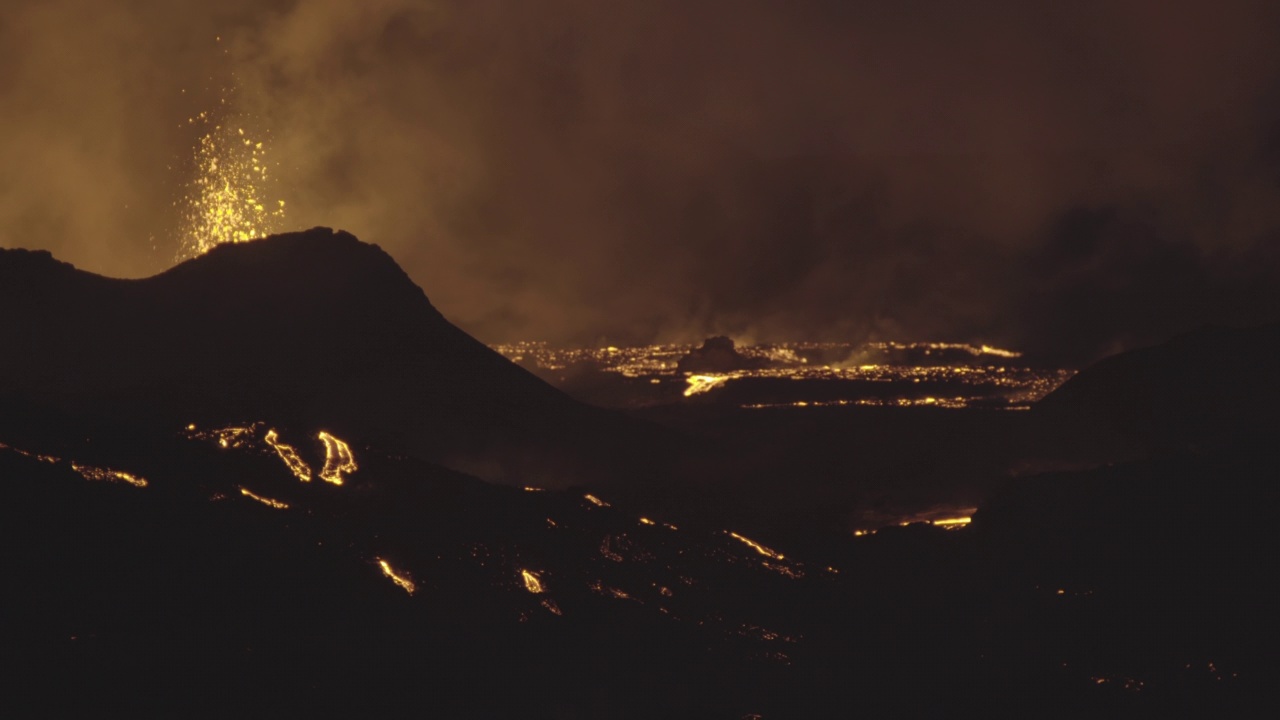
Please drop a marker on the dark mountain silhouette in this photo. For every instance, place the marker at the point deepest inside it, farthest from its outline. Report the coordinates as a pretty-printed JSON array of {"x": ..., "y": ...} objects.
[
  {"x": 159, "y": 562},
  {"x": 312, "y": 327},
  {"x": 1207, "y": 386}
]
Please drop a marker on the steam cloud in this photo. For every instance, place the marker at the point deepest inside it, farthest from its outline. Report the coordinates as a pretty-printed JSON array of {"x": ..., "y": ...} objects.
[{"x": 1066, "y": 178}]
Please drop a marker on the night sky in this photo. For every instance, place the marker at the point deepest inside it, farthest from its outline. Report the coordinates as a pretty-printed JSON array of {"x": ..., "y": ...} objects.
[{"x": 1069, "y": 179}]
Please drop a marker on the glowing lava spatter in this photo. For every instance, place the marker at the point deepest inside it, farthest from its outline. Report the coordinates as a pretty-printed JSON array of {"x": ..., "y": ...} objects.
[{"x": 227, "y": 199}]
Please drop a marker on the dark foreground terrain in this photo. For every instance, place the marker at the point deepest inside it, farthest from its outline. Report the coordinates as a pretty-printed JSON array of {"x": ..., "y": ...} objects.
[{"x": 164, "y": 555}]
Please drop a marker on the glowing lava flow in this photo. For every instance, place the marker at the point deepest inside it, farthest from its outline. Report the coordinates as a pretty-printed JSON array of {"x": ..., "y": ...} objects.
[
  {"x": 402, "y": 580},
  {"x": 337, "y": 459},
  {"x": 699, "y": 384},
  {"x": 226, "y": 202},
  {"x": 278, "y": 505},
  {"x": 532, "y": 582},
  {"x": 290, "y": 456},
  {"x": 981, "y": 375},
  {"x": 42, "y": 458},
  {"x": 757, "y": 547},
  {"x": 94, "y": 473}
]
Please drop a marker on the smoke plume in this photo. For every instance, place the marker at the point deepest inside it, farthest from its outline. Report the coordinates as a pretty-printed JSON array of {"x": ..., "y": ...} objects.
[{"x": 1070, "y": 179}]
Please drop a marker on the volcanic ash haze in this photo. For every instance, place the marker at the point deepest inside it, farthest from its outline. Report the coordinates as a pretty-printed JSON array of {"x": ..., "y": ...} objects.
[{"x": 1063, "y": 179}]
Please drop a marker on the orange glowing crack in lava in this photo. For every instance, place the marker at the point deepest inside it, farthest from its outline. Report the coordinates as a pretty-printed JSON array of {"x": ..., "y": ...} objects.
[
  {"x": 290, "y": 456},
  {"x": 399, "y": 578},
  {"x": 532, "y": 582},
  {"x": 337, "y": 459}
]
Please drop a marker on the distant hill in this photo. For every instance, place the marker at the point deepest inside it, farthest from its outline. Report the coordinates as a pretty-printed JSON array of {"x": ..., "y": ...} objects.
[
  {"x": 1208, "y": 385},
  {"x": 316, "y": 328}
]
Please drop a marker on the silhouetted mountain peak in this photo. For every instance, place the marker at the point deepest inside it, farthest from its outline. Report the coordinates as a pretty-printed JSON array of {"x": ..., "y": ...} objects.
[
  {"x": 313, "y": 327},
  {"x": 21, "y": 269},
  {"x": 319, "y": 265},
  {"x": 1215, "y": 380}
]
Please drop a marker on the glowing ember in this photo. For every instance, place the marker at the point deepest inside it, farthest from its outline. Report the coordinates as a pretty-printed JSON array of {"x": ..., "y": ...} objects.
[
  {"x": 595, "y": 501},
  {"x": 400, "y": 579},
  {"x": 337, "y": 459},
  {"x": 264, "y": 500},
  {"x": 953, "y": 523},
  {"x": 290, "y": 456},
  {"x": 532, "y": 582},
  {"x": 226, "y": 201},
  {"x": 103, "y": 474},
  {"x": 757, "y": 546}
]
